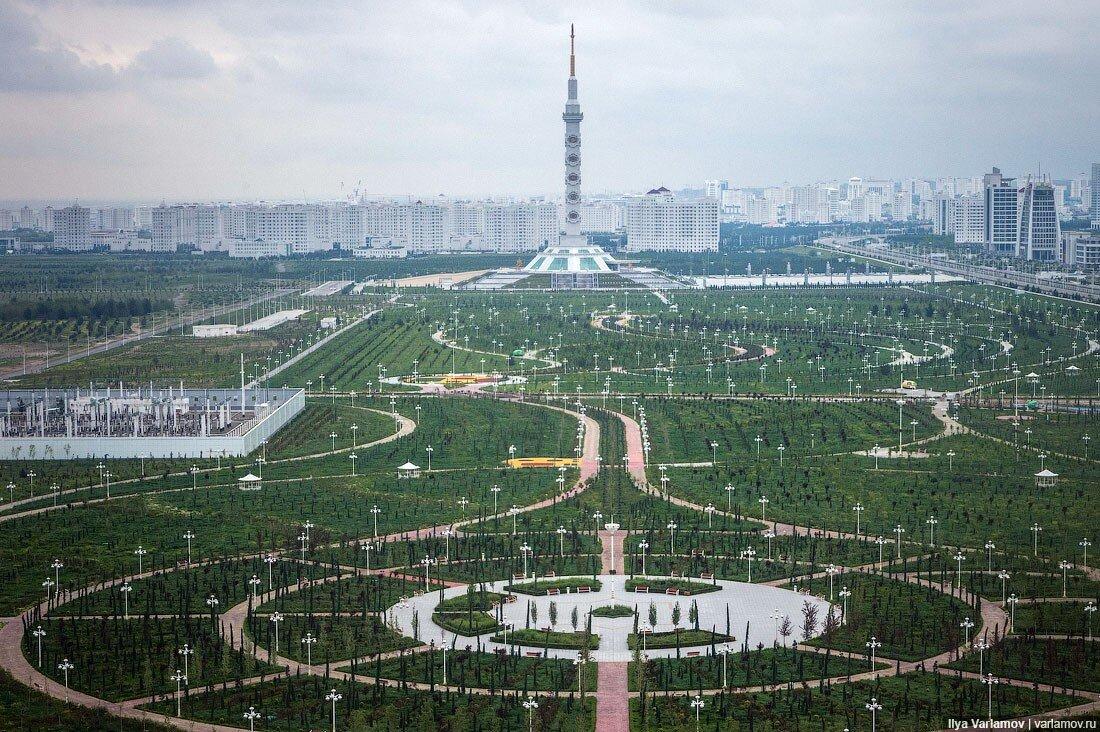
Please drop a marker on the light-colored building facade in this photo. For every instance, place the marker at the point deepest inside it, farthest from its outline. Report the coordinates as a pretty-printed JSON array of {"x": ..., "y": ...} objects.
[
  {"x": 658, "y": 222},
  {"x": 1081, "y": 249},
  {"x": 72, "y": 228},
  {"x": 1040, "y": 233},
  {"x": 968, "y": 219},
  {"x": 520, "y": 227}
]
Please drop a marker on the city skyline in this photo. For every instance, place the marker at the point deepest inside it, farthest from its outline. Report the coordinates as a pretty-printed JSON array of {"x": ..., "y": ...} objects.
[{"x": 177, "y": 102}]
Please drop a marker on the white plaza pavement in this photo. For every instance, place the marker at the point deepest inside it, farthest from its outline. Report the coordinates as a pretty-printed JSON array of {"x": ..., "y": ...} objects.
[{"x": 749, "y": 604}]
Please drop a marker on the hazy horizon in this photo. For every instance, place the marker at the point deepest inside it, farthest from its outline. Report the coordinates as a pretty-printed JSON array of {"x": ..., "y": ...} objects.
[{"x": 182, "y": 101}]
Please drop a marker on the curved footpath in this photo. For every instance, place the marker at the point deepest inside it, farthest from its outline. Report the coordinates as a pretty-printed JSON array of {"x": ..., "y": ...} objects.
[
  {"x": 11, "y": 634},
  {"x": 993, "y": 616}
]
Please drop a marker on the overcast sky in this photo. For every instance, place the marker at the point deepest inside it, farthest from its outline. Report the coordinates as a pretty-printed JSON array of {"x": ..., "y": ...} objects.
[{"x": 183, "y": 100}]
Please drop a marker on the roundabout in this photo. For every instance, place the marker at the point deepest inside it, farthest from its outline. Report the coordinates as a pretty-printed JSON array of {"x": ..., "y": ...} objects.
[{"x": 750, "y": 613}]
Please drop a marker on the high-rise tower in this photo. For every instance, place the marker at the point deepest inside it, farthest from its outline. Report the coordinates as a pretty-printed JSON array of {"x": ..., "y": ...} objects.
[{"x": 572, "y": 118}]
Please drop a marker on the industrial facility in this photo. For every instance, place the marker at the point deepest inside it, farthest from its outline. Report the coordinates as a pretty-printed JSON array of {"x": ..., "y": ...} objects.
[{"x": 141, "y": 421}]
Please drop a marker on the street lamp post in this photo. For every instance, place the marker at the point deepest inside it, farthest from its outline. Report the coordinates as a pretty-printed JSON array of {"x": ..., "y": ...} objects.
[
  {"x": 1035, "y": 529},
  {"x": 65, "y": 667},
  {"x": 189, "y": 535},
  {"x": 276, "y": 618},
  {"x": 932, "y": 521},
  {"x": 333, "y": 697},
  {"x": 308, "y": 640},
  {"x": 57, "y": 565},
  {"x": 38, "y": 633},
  {"x": 252, "y": 715},
  {"x": 179, "y": 678},
  {"x": 873, "y": 706},
  {"x": 872, "y": 645},
  {"x": 530, "y": 705},
  {"x": 989, "y": 680}
]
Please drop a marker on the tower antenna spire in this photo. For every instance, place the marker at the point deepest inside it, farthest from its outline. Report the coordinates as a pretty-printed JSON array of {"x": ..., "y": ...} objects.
[{"x": 572, "y": 53}]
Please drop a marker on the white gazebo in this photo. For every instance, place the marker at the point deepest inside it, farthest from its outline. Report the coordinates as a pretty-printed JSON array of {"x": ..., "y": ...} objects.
[
  {"x": 249, "y": 482},
  {"x": 408, "y": 470},
  {"x": 1046, "y": 478}
]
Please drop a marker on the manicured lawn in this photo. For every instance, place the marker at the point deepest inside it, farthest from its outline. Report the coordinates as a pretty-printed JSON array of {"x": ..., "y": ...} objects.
[
  {"x": 913, "y": 702},
  {"x": 472, "y": 599},
  {"x": 911, "y": 622},
  {"x": 298, "y": 703},
  {"x": 613, "y": 611},
  {"x": 355, "y": 594},
  {"x": 1054, "y": 617},
  {"x": 469, "y": 623},
  {"x": 124, "y": 659},
  {"x": 187, "y": 590},
  {"x": 473, "y": 669},
  {"x": 338, "y": 638},
  {"x": 535, "y": 638},
  {"x": 22, "y": 709},
  {"x": 661, "y": 585},
  {"x": 677, "y": 639},
  {"x": 1074, "y": 664},
  {"x": 747, "y": 668},
  {"x": 565, "y": 585}
]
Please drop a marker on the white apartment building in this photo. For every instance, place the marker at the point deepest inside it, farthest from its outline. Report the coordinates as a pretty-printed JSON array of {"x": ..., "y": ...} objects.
[
  {"x": 1081, "y": 249},
  {"x": 300, "y": 228},
  {"x": 596, "y": 216},
  {"x": 658, "y": 222},
  {"x": 71, "y": 228},
  {"x": 902, "y": 207},
  {"x": 107, "y": 219},
  {"x": 967, "y": 214},
  {"x": 520, "y": 227},
  {"x": 173, "y": 227},
  {"x": 466, "y": 219},
  {"x": 760, "y": 210},
  {"x": 423, "y": 227},
  {"x": 809, "y": 205}
]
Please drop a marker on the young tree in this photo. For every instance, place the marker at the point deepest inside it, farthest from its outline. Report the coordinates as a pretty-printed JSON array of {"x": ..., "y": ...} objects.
[
  {"x": 652, "y": 615},
  {"x": 676, "y": 615},
  {"x": 786, "y": 628},
  {"x": 809, "y": 619},
  {"x": 574, "y": 618},
  {"x": 554, "y": 613},
  {"x": 693, "y": 614}
]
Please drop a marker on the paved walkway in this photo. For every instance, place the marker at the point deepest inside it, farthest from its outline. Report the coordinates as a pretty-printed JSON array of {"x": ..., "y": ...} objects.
[{"x": 612, "y": 697}]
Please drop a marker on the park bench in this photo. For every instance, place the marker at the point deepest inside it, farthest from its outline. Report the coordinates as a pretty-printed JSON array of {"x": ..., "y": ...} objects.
[
  {"x": 533, "y": 654},
  {"x": 706, "y": 575},
  {"x": 585, "y": 589},
  {"x": 672, "y": 591},
  {"x": 551, "y": 573},
  {"x": 692, "y": 654},
  {"x": 518, "y": 577},
  {"x": 675, "y": 573},
  {"x": 553, "y": 591},
  {"x": 509, "y": 598},
  {"x": 642, "y": 588}
]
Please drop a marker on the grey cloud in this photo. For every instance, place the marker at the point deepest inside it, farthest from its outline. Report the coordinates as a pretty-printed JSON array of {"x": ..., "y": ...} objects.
[
  {"x": 26, "y": 67},
  {"x": 173, "y": 59}
]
